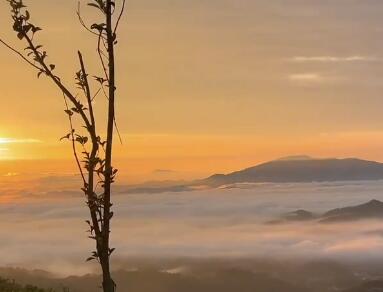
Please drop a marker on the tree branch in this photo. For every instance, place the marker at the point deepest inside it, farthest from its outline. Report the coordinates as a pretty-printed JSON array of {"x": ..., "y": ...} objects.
[
  {"x": 119, "y": 16},
  {"x": 73, "y": 142},
  {"x": 54, "y": 78},
  {"x": 87, "y": 92},
  {"x": 78, "y": 12},
  {"x": 101, "y": 58},
  {"x": 20, "y": 55}
]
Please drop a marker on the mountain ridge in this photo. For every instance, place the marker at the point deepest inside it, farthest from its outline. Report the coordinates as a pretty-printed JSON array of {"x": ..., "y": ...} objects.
[
  {"x": 293, "y": 169},
  {"x": 302, "y": 170},
  {"x": 373, "y": 209}
]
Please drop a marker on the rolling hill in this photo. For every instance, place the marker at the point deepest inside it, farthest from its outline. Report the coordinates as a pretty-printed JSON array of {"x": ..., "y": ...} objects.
[
  {"x": 296, "y": 169},
  {"x": 302, "y": 169}
]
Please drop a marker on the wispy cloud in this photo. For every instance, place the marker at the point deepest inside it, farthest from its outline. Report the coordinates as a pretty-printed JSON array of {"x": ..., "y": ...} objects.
[
  {"x": 18, "y": 141},
  {"x": 334, "y": 59},
  {"x": 306, "y": 77}
]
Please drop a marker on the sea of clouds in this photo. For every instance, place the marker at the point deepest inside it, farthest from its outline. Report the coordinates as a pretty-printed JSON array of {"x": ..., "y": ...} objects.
[{"x": 42, "y": 227}]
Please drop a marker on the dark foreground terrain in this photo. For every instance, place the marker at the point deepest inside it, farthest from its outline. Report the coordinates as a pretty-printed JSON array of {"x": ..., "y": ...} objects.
[
  {"x": 7, "y": 285},
  {"x": 222, "y": 276}
]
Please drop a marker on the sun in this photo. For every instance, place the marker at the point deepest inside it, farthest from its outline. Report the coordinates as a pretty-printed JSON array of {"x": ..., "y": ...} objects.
[{"x": 5, "y": 140}]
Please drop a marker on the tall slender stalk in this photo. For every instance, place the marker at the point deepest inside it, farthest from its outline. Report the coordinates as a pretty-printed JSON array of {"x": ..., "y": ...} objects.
[{"x": 96, "y": 167}]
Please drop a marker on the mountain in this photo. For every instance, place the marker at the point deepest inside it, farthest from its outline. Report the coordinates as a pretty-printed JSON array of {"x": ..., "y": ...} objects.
[
  {"x": 299, "y": 215},
  {"x": 302, "y": 169},
  {"x": 293, "y": 169},
  {"x": 370, "y": 210},
  {"x": 295, "y": 216}
]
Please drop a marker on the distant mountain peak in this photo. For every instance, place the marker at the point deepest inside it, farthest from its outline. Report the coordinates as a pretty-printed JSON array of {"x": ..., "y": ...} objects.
[
  {"x": 374, "y": 202},
  {"x": 371, "y": 209},
  {"x": 302, "y": 168},
  {"x": 292, "y": 169}
]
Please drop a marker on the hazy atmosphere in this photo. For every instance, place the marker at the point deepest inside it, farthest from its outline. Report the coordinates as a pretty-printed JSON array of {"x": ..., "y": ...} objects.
[
  {"x": 210, "y": 146},
  {"x": 234, "y": 82}
]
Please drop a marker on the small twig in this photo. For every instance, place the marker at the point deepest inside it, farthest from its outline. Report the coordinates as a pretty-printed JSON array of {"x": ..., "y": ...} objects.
[
  {"x": 59, "y": 84},
  {"x": 115, "y": 122},
  {"x": 97, "y": 92},
  {"x": 88, "y": 94},
  {"x": 105, "y": 47},
  {"x": 101, "y": 58},
  {"x": 119, "y": 17},
  {"x": 118, "y": 131},
  {"x": 78, "y": 12},
  {"x": 103, "y": 90},
  {"x": 20, "y": 55},
  {"x": 73, "y": 142}
]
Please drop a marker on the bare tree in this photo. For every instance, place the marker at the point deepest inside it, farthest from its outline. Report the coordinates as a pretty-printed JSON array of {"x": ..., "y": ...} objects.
[{"x": 92, "y": 153}]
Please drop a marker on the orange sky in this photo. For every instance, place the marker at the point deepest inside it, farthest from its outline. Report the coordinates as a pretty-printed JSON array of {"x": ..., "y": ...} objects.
[{"x": 209, "y": 86}]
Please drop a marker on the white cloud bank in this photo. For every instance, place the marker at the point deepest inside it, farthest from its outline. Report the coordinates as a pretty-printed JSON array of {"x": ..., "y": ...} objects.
[{"x": 50, "y": 233}]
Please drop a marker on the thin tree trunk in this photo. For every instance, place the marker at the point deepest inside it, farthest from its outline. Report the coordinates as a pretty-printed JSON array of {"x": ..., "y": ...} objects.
[
  {"x": 108, "y": 283},
  {"x": 99, "y": 203}
]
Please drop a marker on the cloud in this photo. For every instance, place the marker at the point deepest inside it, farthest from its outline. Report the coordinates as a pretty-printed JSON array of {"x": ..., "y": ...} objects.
[
  {"x": 306, "y": 77},
  {"x": 44, "y": 222},
  {"x": 334, "y": 59},
  {"x": 18, "y": 141}
]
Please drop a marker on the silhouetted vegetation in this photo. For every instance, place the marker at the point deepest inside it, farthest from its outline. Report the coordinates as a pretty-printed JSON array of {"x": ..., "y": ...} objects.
[
  {"x": 93, "y": 154},
  {"x": 11, "y": 286},
  {"x": 221, "y": 276}
]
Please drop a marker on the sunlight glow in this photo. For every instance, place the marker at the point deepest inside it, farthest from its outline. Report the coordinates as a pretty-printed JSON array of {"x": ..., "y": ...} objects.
[{"x": 12, "y": 141}]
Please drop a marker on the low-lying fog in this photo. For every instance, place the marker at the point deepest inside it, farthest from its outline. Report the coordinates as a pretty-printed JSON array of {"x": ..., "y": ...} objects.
[{"x": 46, "y": 230}]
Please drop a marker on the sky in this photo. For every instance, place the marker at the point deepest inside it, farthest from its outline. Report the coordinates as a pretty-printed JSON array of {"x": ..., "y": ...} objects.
[{"x": 208, "y": 86}]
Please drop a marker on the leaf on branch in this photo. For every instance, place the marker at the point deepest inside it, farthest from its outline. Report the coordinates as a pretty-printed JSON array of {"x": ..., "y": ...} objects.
[
  {"x": 100, "y": 79},
  {"x": 36, "y": 29},
  {"x": 81, "y": 139},
  {"x": 69, "y": 112},
  {"x": 93, "y": 5},
  {"x": 100, "y": 27},
  {"x": 27, "y": 28},
  {"x": 65, "y": 137}
]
